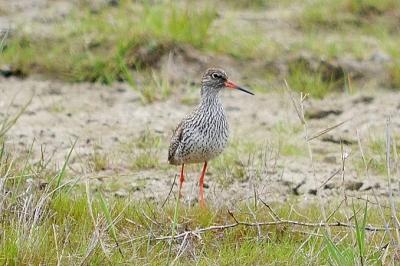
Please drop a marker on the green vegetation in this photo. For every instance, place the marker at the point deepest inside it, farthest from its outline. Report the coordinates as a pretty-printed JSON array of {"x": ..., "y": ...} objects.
[
  {"x": 284, "y": 134},
  {"x": 48, "y": 218},
  {"x": 99, "y": 160},
  {"x": 340, "y": 14},
  {"x": 143, "y": 152},
  {"x": 78, "y": 225},
  {"x": 157, "y": 87},
  {"x": 375, "y": 155},
  {"x": 249, "y": 4},
  {"x": 238, "y": 163},
  {"x": 105, "y": 45},
  {"x": 373, "y": 160},
  {"x": 243, "y": 159},
  {"x": 9, "y": 120},
  {"x": 345, "y": 27},
  {"x": 394, "y": 73},
  {"x": 71, "y": 224},
  {"x": 243, "y": 42},
  {"x": 304, "y": 80},
  {"x": 120, "y": 43}
]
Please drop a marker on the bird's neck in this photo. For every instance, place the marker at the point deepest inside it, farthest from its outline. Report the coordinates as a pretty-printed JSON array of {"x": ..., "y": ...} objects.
[{"x": 209, "y": 97}]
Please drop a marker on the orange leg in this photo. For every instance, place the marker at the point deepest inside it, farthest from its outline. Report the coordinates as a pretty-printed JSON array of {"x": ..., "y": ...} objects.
[
  {"x": 201, "y": 195},
  {"x": 181, "y": 179}
]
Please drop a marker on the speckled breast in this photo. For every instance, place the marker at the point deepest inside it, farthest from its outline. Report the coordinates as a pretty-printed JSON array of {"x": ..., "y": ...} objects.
[{"x": 207, "y": 141}]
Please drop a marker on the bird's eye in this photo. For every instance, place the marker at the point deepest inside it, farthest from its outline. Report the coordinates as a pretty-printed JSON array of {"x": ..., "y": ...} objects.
[{"x": 216, "y": 76}]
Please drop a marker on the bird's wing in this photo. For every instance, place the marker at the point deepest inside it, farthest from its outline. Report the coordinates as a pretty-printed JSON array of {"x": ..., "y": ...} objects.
[{"x": 175, "y": 141}]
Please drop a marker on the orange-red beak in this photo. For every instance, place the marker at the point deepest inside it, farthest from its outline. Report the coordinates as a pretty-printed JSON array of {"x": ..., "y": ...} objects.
[{"x": 233, "y": 85}]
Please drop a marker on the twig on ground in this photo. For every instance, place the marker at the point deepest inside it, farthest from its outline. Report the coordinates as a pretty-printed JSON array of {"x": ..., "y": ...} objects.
[
  {"x": 170, "y": 191},
  {"x": 148, "y": 218},
  {"x": 293, "y": 209},
  {"x": 326, "y": 130},
  {"x": 134, "y": 223},
  {"x": 275, "y": 216},
  {"x": 237, "y": 223},
  {"x": 233, "y": 216},
  {"x": 182, "y": 248},
  {"x": 343, "y": 156},
  {"x": 281, "y": 222},
  {"x": 329, "y": 178},
  {"x": 369, "y": 201},
  {"x": 259, "y": 234},
  {"x": 301, "y": 118},
  {"x": 334, "y": 211}
]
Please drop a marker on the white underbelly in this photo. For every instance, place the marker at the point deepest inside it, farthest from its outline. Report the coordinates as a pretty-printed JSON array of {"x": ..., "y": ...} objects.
[{"x": 205, "y": 151}]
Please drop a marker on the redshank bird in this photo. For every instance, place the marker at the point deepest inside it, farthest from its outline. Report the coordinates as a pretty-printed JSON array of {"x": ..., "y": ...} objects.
[{"x": 203, "y": 134}]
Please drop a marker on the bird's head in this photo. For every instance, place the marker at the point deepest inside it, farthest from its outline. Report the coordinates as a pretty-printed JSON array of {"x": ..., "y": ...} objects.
[{"x": 217, "y": 79}]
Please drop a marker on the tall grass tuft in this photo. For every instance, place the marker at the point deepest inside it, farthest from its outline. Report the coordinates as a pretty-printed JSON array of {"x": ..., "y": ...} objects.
[
  {"x": 106, "y": 45},
  {"x": 302, "y": 79}
]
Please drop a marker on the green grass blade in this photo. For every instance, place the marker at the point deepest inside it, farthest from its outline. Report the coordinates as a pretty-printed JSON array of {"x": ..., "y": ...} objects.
[
  {"x": 111, "y": 226},
  {"x": 339, "y": 258},
  {"x": 62, "y": 172},
  {"x": 2, "y": 150},
  {"x": 333, "y": 251},
  {"x": 360, "y": 232},
  {"x": 8, "y": 123}
]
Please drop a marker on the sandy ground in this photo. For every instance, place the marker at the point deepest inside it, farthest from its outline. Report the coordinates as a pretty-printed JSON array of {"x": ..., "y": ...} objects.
[{"x": 108, "y": 117}]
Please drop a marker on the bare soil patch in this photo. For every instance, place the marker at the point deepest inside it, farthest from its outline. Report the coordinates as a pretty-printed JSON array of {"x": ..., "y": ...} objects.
[{"x": 106, "y": 118}]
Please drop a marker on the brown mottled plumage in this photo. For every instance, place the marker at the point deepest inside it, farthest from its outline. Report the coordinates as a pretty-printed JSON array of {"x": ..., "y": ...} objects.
[{"x": 203, "y": 134}]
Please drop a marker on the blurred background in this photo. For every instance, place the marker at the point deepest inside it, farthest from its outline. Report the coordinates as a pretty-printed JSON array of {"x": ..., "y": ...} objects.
[
  {"x": 120, "y": 74},
  {"x": 318, "y": 46}
]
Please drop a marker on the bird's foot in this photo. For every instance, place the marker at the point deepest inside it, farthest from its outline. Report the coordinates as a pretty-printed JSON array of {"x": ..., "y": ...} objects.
[{"x": 203, "y": 204}]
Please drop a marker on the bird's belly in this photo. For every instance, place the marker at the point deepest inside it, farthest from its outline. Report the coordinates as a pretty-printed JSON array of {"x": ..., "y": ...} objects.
[{"x": 205, "y": 149}]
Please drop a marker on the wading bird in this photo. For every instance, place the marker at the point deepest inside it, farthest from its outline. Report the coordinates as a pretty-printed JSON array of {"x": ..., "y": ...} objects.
[{"x": 203, "y": 134}]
